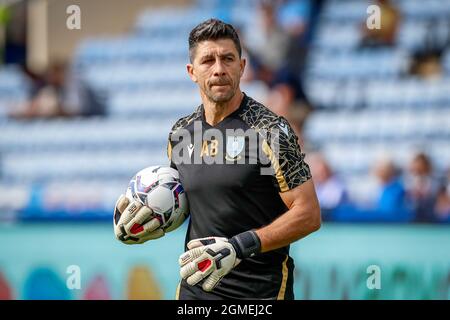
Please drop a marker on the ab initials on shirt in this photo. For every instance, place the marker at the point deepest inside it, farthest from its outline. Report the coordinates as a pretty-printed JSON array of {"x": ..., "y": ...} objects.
[{"x": 209, "y": 148}]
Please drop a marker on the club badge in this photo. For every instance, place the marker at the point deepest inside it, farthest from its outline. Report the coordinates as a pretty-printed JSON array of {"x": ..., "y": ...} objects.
[{"x": 235, "y": 145}]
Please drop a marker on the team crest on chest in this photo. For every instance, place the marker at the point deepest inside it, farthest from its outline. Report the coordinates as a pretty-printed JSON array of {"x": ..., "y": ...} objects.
[{"x": 235, "y": 145}]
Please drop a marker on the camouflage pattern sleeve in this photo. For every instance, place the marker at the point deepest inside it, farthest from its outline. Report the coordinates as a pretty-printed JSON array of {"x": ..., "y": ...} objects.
[{"x": 286, "y": 158}]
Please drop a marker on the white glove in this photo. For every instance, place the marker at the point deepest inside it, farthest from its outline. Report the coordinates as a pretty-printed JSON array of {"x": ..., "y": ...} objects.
[
  {"x": 134, "y": 223},
  {"x": 211, "y": 258}
]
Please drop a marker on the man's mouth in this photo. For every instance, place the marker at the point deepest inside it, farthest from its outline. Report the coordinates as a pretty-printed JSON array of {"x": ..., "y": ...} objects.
[{"x": 219, "y": 85}]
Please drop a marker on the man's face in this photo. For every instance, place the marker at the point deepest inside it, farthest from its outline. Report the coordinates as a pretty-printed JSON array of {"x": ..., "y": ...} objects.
[{"x": 217, "y": 69}]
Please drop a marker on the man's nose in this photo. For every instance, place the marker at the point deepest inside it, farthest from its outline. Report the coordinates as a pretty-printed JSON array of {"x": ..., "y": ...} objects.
[{"x": 219, "y": 68}]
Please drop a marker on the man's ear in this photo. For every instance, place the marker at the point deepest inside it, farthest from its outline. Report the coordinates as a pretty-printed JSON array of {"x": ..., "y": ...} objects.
[
  {"x": 190, "y": 70},
  {"x": 243, "y": 64}
]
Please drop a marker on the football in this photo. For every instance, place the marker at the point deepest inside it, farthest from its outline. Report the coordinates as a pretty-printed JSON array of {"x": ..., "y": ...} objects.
[{"x": 159, "y": 188}]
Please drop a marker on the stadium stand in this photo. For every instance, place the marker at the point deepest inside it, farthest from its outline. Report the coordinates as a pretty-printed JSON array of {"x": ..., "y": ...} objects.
[
  {"x": 374, "y": 105},
  {"x": 366, "y": 104}
]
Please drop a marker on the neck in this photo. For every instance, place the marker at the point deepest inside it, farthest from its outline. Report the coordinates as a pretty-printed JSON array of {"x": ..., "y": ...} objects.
[{"x": 217, "y": 111}]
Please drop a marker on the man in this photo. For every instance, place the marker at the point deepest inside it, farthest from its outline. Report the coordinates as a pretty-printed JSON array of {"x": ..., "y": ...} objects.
[{"x": 242, "y": 218}]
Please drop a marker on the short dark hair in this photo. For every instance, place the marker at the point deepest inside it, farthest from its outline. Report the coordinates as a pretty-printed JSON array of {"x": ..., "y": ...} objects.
[{"x": 212, "y": 29}]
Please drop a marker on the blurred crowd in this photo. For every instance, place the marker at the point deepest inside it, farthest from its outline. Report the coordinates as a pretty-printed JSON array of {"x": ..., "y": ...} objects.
[
  {"x": 411, "y": 194},
  {"x": 277, "y": 49},
  {"x": 54, "y": 92},
  {"x": 277, "y": 52},
  {"x": 58, "y": 92}
]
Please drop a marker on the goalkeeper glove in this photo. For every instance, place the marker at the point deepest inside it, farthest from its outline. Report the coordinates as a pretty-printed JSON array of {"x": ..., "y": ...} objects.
[
  {"x": 134, "y": 223},
  {"x": 212, "y": 258}
]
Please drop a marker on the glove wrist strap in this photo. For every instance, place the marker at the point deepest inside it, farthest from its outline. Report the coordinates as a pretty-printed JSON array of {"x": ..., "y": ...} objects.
[{"x": 246, "y": 244}]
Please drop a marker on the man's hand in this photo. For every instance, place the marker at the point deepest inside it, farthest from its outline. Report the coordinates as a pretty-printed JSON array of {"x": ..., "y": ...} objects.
[
  {"x": 210, "y": 258},
  {"x": 134, "y": 223}
]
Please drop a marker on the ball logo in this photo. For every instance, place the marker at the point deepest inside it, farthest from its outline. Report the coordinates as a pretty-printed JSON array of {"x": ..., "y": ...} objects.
[
  {"x": 284, "y": 128},
  {"x": 133, "y": 208},
  {"x": 190, "y": 149}
]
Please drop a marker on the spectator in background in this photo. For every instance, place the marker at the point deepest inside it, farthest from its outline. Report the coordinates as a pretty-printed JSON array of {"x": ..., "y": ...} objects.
[
  {"x": 273, "y": 54},
  {"x": 392, "y": 196},
  {"x": 442, "y": 206},
  {"x": 294, "y": 19},
  {"x": 426, "y": 61},
  {"x": 80, "y": 98},
  {"x": 47, "y": 94},
  {"x": 4, "y": 18},
  {"x": 330, "y": 190},
  {"x": 422, "y": 187},
  {"x": 13, "y": 31},
  {"x": 391, "y": 203},
  {"x": 288, "y": 96},
  {"x": 60, "y": 93},
  {"x": 426, "y": 65},
  {"x": 288, "y": 99},
  {"x": 387, "y": 33},
  {"x": 267, "y": 44}
]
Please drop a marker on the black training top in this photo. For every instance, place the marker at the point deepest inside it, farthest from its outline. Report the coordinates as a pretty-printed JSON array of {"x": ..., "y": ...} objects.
[{"x": 232, "y": 174}]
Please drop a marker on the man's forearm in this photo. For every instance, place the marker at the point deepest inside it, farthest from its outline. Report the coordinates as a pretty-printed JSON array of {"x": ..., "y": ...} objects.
[{"x": 293, "y": 225}]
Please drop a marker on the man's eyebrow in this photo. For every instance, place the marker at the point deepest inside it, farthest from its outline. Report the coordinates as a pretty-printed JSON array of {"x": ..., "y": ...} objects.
[
  {"x": 224, "y": 55},
  {"x": 206, "y": 56},
  {"x": 228, "y": 54}
]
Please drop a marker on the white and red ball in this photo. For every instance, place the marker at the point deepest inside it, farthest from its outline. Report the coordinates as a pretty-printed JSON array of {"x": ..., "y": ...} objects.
[{"x": 159, "y": 188}]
